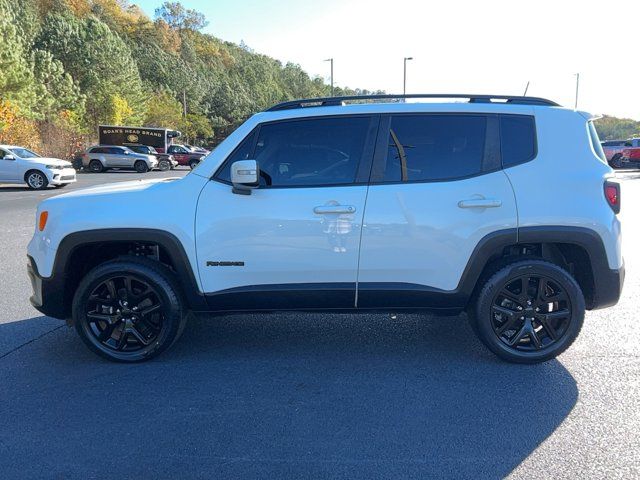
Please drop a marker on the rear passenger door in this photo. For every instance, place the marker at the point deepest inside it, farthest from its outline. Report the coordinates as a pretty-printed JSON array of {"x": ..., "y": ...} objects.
[{"x": 437, "y": 190}]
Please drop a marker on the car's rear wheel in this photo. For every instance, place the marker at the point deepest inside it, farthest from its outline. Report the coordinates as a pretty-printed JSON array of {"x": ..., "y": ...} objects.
[
  {"x": 164, "y": 165},
  {"x": 95, "y": 166},
  {"x": 193, "y": 164},
  {"x": 128, "y": 310},
  {"x": 140, "y": 166},
  {"x": 529, "y": 311},
  {"x": 36, "y": 180},
  {"x": 616, "y": 161}
]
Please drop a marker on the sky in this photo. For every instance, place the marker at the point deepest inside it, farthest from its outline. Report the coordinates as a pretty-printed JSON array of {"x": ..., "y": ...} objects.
[{"x": 458, "y": 46}]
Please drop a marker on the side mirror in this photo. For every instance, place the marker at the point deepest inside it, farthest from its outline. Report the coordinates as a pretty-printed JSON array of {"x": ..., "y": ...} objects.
[
  {"x": 9, "y": 157},
  {"x": 245, "y": 176}
]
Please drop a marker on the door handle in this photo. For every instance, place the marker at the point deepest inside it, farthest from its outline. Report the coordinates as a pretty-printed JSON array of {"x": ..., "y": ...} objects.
[
  {"x": 334, "y": 209},
  {"x": 479, "y": 203}
]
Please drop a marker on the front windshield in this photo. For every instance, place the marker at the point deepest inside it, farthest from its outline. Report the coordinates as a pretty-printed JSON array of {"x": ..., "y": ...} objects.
[{"x": 23, "y": 153}]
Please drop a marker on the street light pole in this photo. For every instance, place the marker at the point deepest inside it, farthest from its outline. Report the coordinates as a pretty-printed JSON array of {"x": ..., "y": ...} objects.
[
  {"x": 331, "y": 60},
  {"x": 577, "y": 87},
  {"x": 404, "y": 79}
]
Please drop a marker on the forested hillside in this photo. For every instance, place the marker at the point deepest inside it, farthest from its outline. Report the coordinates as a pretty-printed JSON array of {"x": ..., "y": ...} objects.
[
  {"x": 612, "y": 128},
  {"x": 68, "y": 65}
]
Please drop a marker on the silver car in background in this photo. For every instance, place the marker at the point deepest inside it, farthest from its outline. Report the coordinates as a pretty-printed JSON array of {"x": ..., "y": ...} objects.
[{"x": 102, "y": 157}]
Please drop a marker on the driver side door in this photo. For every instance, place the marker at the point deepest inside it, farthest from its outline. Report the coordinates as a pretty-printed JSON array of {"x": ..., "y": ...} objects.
[
  {"x": 8, "y": 168},
  {"x": 293, "y": 242}
]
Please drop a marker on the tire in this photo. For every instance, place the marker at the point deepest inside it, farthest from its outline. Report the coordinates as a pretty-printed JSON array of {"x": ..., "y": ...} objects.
[
  {"x": 512, "y": 328},
  {"x": 36, "y": 180},
  {"x": 615, "y": 161},
  {"x": 106, "y": 305},
  {"x": 193, "y": 164},
  {"x": 95, "y": 166},
  {"x": 141, "y": 166},
  {"x": 164, "y": 165}
]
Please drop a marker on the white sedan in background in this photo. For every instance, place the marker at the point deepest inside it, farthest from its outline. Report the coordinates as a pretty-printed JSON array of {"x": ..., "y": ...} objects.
[{"x": 21, "y": 165}]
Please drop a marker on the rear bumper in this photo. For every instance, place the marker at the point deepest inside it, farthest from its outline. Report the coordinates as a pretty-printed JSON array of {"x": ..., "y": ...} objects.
[
  {"x": 608, "y": 287},
  {"x": 47, "y": 295}
]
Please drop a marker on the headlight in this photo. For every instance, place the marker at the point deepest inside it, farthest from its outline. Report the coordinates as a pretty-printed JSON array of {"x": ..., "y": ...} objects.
[{"x": 54, "y": 167}]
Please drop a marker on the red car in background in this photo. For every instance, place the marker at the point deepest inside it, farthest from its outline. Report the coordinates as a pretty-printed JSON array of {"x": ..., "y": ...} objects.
[
  {"x": 622, "y": 153},
  {"x": 186, "y": 156}
]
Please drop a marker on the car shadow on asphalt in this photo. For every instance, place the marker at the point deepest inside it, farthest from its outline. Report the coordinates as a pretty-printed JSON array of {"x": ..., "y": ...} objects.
[{"x": 283, "y": 396}]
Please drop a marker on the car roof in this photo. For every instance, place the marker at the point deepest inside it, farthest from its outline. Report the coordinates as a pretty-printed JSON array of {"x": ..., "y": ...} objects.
[{"x": 418, "y": 103}]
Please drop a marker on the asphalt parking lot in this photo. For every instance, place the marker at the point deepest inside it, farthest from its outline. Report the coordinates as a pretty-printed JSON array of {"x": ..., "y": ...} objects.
[{"x": 313, "y": 396}]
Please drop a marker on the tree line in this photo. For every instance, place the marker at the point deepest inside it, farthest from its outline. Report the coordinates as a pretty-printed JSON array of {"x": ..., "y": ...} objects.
[{"x": 69, "y": 65}]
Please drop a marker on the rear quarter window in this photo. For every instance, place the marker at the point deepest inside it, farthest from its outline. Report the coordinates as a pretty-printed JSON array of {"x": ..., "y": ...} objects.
[
  {"x": 517, "y": 139},
  {"x": 595, "y": 142}
]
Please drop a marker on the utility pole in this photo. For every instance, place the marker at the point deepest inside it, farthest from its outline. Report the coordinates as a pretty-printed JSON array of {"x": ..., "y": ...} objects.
[
  {"x": 577, "y": 87},
  {"x": 184, "y": 110},
  {"x": 331, "y": 60},
  {"x": 404, "y": 78}
]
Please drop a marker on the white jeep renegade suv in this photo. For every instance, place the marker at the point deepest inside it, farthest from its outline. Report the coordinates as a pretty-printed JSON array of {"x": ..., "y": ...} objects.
[{"x": 501, "y": 206}]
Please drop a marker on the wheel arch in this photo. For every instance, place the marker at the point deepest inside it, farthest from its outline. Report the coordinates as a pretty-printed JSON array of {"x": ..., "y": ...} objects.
[
  {"x": 79, "y": 252},
  {"x": 579, "y": 250}
]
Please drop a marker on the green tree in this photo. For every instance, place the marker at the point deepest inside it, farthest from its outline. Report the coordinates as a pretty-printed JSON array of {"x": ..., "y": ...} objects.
[
  {"x": 99, "y": 60},
  {"x": 163, "y": 110},
  {"x": 181, "y": 18}
]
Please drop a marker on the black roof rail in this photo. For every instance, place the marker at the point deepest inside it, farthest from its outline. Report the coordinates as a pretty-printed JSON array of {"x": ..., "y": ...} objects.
[{"x": 336, "y": 101}]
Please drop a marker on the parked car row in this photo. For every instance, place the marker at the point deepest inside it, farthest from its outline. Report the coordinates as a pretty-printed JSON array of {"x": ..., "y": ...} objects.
[
  {"x": 140, "y": 158},
  {"x": 20, "y": 165}
]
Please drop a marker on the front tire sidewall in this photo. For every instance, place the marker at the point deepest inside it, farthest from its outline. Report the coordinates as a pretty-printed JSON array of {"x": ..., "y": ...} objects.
[
  {"x": 193, "y": 164},
  {"x": 173, "y": 319},
  {"x": 164, "y": 165},
  {"x": 37, "y": 180},
  {"x": 483, "y": 315}
]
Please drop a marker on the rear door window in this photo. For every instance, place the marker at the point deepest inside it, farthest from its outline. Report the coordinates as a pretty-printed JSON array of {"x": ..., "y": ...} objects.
[
  {"x": 517, "y": 139},
  {"x": 434, "y": 147}
]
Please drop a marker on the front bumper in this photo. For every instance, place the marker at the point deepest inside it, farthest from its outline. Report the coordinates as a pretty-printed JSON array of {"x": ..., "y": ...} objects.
[
  {"x": 63, "y": 176},
  {"x": 47, "y": 294}
]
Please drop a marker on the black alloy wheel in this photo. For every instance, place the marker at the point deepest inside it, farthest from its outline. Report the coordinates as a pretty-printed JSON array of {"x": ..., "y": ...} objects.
[
  {"x": 128, "y": 310},
  {"x": 125, "y": 314},
  {"x": 529, "y": 311}
]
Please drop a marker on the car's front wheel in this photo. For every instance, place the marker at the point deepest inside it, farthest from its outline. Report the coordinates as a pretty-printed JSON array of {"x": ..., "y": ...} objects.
[
  {"x": 193, "y": 164},
  {"x": 529, "y": 311},
  {"x": 128, "y": 310},
  {"x": 36, "y": 180}
]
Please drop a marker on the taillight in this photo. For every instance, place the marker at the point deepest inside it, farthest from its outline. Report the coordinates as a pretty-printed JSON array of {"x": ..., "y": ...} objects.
[{"x": 612, "y": 194}]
